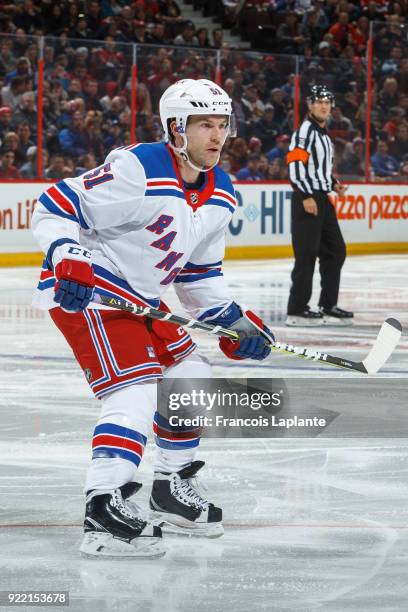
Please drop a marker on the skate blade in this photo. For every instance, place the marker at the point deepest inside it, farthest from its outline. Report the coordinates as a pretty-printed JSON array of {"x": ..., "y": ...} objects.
[
  {"x": 175, "y": 525},
  {"x": 301, "y": 322},
  {"x": 334, "y": 322},
  {"x": 105, "y": 546}
]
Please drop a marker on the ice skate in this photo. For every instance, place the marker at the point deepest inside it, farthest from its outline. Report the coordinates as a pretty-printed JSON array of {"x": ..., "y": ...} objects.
[
  {"x": 336, "y": 317},
  {"x": 307, "y": 318},
  {"x": 115, "y": 527},
  {"x": 178, "y": 507}
]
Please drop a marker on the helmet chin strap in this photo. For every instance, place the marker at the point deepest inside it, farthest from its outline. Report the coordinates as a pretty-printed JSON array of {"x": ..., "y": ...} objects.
[{"x": 182, "y": 151}]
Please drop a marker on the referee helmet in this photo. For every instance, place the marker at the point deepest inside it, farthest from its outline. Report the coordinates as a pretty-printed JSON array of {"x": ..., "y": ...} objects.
[{"x": 320, "y": 92}]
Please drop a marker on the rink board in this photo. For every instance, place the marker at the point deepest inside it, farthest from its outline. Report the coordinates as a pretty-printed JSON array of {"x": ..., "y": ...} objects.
[{"x": 373, "y": 219}]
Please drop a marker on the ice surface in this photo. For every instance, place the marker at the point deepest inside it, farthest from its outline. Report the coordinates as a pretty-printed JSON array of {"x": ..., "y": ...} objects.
[{"x": 310, "y": 524}]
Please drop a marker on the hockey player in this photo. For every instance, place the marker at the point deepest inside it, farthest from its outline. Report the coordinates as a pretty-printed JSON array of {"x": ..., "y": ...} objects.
[{"x": 150, "y": 216}]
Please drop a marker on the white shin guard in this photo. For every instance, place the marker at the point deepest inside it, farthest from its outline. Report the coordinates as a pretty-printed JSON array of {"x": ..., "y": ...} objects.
[{"x": 132, "y": 407}]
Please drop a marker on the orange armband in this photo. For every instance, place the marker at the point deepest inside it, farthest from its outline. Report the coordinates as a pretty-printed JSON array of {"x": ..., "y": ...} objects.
[{"x": 297, "y": 155}]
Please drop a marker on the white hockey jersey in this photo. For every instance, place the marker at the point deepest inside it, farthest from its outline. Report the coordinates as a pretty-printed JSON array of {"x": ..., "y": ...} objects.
[{"x": 144, "y": 229}]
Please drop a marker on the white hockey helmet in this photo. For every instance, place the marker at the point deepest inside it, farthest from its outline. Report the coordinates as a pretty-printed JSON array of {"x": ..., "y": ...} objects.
[{"x": 193, "y": 97}]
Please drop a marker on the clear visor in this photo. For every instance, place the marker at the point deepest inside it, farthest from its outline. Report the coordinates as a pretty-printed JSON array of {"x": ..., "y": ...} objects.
[{"x": 232, "y": 126}]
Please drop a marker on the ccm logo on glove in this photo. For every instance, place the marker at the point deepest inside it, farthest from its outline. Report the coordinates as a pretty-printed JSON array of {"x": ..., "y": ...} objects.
[{"x": 75, "y": 278}]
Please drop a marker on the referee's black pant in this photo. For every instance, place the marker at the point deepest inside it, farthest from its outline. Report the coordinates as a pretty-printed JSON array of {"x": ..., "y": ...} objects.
[{"x": 312, "y": 237}]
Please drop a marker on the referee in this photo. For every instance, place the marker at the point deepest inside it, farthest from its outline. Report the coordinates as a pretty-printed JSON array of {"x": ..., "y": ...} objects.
[{"x": 315, "y": 229}]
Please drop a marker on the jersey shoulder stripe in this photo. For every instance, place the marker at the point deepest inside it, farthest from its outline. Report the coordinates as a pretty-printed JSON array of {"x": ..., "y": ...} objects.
[
  {"x": 223, "y": 182},
  {"x": 155, "y": 159},
  {"x": 61, "y": 200}
]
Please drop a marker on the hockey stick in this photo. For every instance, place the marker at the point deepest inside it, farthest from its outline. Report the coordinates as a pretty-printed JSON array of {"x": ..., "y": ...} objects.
[{"x": 386, "y": 341}]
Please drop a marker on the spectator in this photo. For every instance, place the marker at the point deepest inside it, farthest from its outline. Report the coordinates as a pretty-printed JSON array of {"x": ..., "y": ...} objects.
[
  {"x": 22, "y": 69},
  {"x": 20, "y": 42},
  {"x": 73, "y": 139},
  {"x": 255, "y": 145},
  {"x": 187, "y": 38},
  {"x": 217, "y": 38},
  {"x": 87, "y": 163},
  {"x": 351, "y": 106},
  {"x": 57, "y": 72},
  {"x": 252, "y": 105},
  {"x": 239, "y": 153},
  {"x": 25, "y": 140},
  {"x": 288, "y": 89},
  {"x": 225, "y": 163},
  {"x": 7, "y": 168},
  {"x": 81, "y": 31},
  {"x": 11, "y": 94},
  {"x": 93, "y": 134},
  {"x": 93, "y": 18},
  {"x": 5, "y": 121},
  {"x": 113, "y": 135},
  {"x": 275, "y": 170},
  {"x": 279, "y": 105},
  {"x": 342, "y": 30},
  {"x": 7, "y": 59},
  {"x": 29, "y": 169},
  {"x": 144, "y": 103},
  {"x": 57, "y": 168},
  {"x": 288, "y": 125},
  {"x": 372, "y": 11},
  {"x": 250, "y": 172},
  {"x": 56, "y": 93},
  {"x": 399, "y": 145},
  {"x": 139, "y": 32},
  {"x": 202, "y": 38},
  {"x": 404, "y": 169},
  {"x": 161, "y": 79},
  {"x": 262, "y": 88},
  {"x": 279, "y": 151},
  {"x": 388, "y": 96},
  {"x": 289, "y": 36},
  {"x": 326, "y": 51},
  {"x": 266, "y": 128},
  {"x": 150, "y": 130},
  {"x": 403, "y": 76},
  {"x": 352, "y": 163},
  {"x": 169, "y": 11},
  {"x": 390, "y": 66},
  {"x": 117, "y": 106},
  {"x": 338, "y": 126},
  {"x": 27, "y": 112},
  {"x": 263, "y": 166},
  {"x": 156, "y": 34},
  {"x": 310, "y": 29},
  {"x": 74, "y": 88},
  {"x": 55, "y": 22},
  {"x": 396, "y": 117},
  {"x": 11, "y": 142},
  {"x": 28, "y": 17},
  {"x": 272, "y": 72},
  {"x": 90, "y": 95},
  {"x": 321, "y": 22},
  {"x": 384, "y": 165}
]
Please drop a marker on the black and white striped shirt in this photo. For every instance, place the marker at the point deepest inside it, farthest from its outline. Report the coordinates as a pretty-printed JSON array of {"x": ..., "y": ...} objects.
[{"x": 310, "y": 159}]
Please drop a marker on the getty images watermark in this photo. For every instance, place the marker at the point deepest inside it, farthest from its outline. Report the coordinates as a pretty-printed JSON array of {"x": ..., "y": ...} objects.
[
  {"x": 226, "y": 400},
  {"x": 241, "y": 407}
]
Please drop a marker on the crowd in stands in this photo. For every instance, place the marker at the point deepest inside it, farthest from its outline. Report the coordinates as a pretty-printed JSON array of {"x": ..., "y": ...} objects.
[{"x": 88, "y": 50}]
